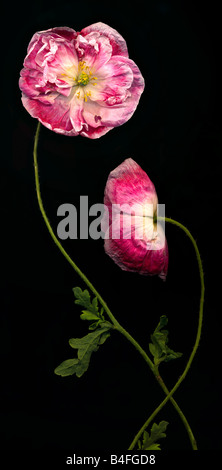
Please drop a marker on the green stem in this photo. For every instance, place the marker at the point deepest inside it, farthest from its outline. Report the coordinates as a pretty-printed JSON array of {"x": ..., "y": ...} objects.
[
  {"x": 71, "y": 262},
  {"x": 103, "y": 303},
  {"x": 196, "y": 344},
  {"x": 155, "y": 371},
  {"x": 75, "y": 267}
]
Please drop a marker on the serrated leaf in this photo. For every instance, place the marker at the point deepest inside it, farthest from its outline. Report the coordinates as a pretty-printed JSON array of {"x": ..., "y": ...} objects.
[
  {"x": 157, "y": 432},
  {"x": 159, "y": 348},
  {"x": 82, "y": 297},
  {"x": 91, "y": 308},
  {"x": 86, "y": 346}
]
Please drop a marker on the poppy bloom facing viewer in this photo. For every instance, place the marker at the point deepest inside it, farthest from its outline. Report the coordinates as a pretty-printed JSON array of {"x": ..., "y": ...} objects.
[
  {"x": 80, "y": 83},
  {"x": 133, "y": 239}
]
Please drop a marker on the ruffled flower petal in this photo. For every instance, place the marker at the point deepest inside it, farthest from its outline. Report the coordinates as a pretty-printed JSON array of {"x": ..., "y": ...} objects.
[
  {"x": 55, "y": 117},
  {"x": 95, "y": 49},
  {"x": 80, "y": 83},
  {"x": 117, "y": 42}
]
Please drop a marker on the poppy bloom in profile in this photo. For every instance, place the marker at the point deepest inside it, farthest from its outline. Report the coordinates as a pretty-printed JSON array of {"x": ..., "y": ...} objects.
[
  {"x": 80, "y": 82},
  {"x": 133, "y": 238}
]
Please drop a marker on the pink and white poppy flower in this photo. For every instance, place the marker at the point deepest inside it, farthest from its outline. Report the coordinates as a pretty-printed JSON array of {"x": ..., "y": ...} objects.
[
  {"x": 80, "y": 82},
  {"x": 133, "y": 238}
]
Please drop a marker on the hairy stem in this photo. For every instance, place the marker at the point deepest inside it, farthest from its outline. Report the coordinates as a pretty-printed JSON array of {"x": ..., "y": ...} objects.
[{"x": 116, "y": 324}]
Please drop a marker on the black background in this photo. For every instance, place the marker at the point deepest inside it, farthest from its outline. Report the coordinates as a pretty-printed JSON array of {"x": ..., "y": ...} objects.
[{"x": 175, "y": 135}]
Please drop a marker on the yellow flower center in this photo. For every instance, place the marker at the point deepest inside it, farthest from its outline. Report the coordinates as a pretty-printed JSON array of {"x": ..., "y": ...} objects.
[{"x": 83, "y": 78}]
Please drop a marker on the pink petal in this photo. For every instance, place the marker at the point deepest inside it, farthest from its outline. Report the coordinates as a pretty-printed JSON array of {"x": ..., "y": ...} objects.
[
  {"x": 133, "y": 255},
  {"x": 128, "y": 183},
  {"x": 76, "y": 108},
  {"x": 56, "y": 116},
  {"x": 59, "y": 32},
  {"x": 31, "y": 84},
  {"x": 50, "y": 56},
  {"x": 95, "y": 132},
  {"x": 40, "y": 42},
  {"x": 117, "y": 42},
  {"x": 118, "y": 95},
  {"x": 94, "y": 49},
  {"x": 114, "y": 80}
]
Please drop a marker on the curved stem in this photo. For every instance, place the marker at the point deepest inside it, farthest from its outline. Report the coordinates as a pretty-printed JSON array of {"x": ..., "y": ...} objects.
[
  {"x": 181, "y": 414},
  {"x": 155, "y": 371},
  {"x": 106, "y": 308},
  {"x": 75, "y": 267},
  {"x": 158, "y": 409},
  {"x": 71, "y": 262},
  {"x": 197, "y": 340}
]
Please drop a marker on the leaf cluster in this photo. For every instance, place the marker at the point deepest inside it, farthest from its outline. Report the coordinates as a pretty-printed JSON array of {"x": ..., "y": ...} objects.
[
  {"x": 85, "y": 346},
  {"x": 91, "y": 310},
  {"x": 90, "y": 343},
  {"x": 159, "y": 345},
  {"x": 149, "y": 441}
]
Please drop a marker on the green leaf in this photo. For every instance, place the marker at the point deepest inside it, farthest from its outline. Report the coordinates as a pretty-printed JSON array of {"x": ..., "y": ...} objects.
[
  {"x": 86, "y": 346},
  {"x": 154, "y": 447},
  {"x": 83, "y": 298},
  {"x": 157, "y": 432},
  {"x": 91, "y": 310},
  {"x": 86, "y": 315},
  {"x": 172, "y": 355},
  {"x": 104, "y": 337},
  {"x": 95, "y": 304},
  {"x": 94, "y": 325},
  {"x": 159, "y": 348},
  {"x": 67, "y": 367}
]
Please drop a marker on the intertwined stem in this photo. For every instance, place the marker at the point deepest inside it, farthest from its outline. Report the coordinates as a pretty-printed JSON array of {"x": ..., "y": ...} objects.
[
  {"x": 196, "y": 344},
  {"x": 116, "y": 324}
]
